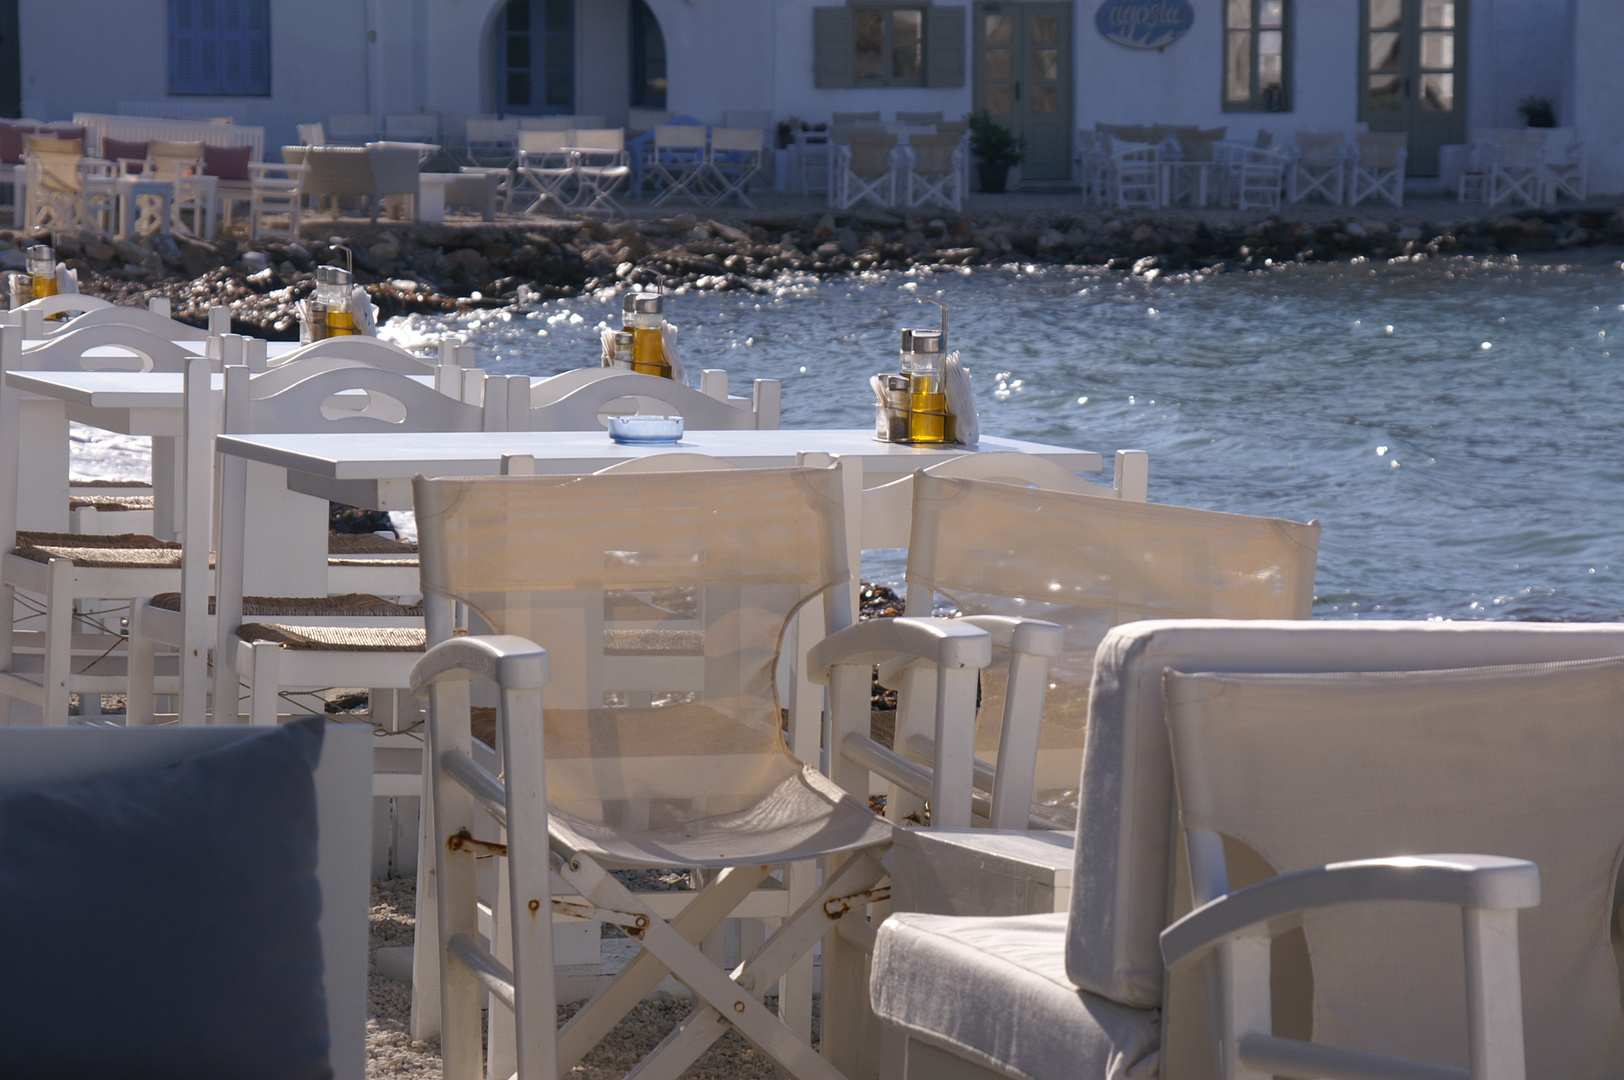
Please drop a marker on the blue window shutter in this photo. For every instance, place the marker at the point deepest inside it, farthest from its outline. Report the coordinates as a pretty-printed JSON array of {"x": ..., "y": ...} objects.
[{"x": 219, "y": 47}]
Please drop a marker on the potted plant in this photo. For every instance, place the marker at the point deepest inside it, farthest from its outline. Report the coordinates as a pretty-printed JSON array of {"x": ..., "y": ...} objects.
[
  {"x": 1538, "y": 112},
  {"x": 996, "y": 148}
]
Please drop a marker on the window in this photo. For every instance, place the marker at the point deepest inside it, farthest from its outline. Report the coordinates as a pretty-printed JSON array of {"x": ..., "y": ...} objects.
[
  {"x": 1257, "y": 67},
  {"x": 888, "y": 46},
  {"x": 866, "y": 44},
  {"x": 648, "y": 58},
  {"x": 536, "y": 45},
  {"x": 220, "y": 47}
]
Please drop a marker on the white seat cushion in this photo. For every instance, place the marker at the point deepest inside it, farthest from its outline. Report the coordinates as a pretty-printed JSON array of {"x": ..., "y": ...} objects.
[{"x": 994, "y": 991}]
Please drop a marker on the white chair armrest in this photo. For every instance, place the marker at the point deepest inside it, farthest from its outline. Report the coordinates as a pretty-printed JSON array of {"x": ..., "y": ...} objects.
[
  {"x": 512, "y": 662},
  {"x": 1488, "y": 882},
  {"x": 947, "y": 643}
]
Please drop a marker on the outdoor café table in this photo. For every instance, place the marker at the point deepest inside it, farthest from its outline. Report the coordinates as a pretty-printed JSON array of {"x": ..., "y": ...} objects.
[
  {"x": 376, "y": 470},
  {"x": 150, "y": 403}
]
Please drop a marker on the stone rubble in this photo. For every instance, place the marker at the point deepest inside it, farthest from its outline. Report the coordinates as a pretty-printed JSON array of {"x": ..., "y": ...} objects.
[{"x": 436, "y": 269}]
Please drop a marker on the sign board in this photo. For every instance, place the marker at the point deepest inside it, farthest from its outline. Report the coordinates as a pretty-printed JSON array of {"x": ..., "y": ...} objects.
[{"x": 1144, "y": 24}]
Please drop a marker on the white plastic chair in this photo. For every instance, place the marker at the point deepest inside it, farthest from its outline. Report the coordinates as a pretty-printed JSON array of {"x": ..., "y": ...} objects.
[
  {"x": 735, "y": 159},
  {"x": 766, "y": 545},
  {"x": 678, "y": 163},
  {"x": 1317, "y": 166},
  {"x": 1378, "y": 168},
  {"x": 935, "y": 171},
  {"x": 864, "y": 167},
  {"x": 1094, "y": 992}
]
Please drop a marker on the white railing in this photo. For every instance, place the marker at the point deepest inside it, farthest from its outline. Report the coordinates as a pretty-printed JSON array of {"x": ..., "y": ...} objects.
[{"x": 145, "y": 129}]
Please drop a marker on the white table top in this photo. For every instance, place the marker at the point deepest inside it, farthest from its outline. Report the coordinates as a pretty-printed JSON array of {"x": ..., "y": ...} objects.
[{"x": 357, "y": 456}]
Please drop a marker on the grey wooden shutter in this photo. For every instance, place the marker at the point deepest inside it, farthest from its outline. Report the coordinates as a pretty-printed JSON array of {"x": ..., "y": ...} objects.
[
  {"x": 944, "y": 46},
  {"x": 832, "y": 47}
]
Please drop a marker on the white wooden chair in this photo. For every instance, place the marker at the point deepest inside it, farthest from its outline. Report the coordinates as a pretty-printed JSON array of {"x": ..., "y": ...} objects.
[
  {"x": 305, "y": 642},
  {"x": 599, "y": 159},
  {"x": 1565, "y": 166},
  {"x": 1135, "y": 175},
  {"x": 545, "y": 170},
  {"x": 32, "y": 757},
  {"x": 1377, "y": 169},
  {"x": 585, "y": 407},
  {"x": 1082, "y": 563},
  {"x": 493, "y": 143},
  {"x": 1516, "y": 168},
  {"x": 677, "y": 164},
  {"x": 274, "y": 191},
  {"x": 864, "y": 167},
  {"x": 1094, "y": 989},
  {"x": 778, "y": 530},
  {"x": 1318, "y": 166},
  {"x": 411, "y": 127},
  {"x": 1254, "y": 177},
  {"x": 56, "y": 184},
  {"x": 735, "y": 159},
  {"x": 353, "y": 128},
  {"x": 311, "y": 134},
  {"x": 1191, "y": 175},
  {"x": 935, "y": 171},
  {"x": 371, "y": 351},
  {"x": 161, "y": 326}
]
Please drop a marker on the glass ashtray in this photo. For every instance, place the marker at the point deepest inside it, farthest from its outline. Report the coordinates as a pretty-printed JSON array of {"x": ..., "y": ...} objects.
[{"x": 645, "y": 430}]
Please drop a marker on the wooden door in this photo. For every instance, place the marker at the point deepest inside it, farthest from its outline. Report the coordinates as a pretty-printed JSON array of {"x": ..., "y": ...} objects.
[
  {"x": 1023, "y": 79},
  {"x": 1412, "y": 74}
]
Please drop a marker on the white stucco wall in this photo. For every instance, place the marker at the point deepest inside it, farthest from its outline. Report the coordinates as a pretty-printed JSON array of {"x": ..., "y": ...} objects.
[
  {"x": 1598, "y": 90},
  {"x": 1519, "y": 49}
]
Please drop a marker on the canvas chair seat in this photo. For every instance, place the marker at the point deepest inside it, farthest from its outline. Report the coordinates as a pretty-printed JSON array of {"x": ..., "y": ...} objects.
[{"x": 1042, "y": 1028}]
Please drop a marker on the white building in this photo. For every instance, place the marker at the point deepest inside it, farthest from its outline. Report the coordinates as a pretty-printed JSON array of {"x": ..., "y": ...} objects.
[{"x": 1435, "y": 68}]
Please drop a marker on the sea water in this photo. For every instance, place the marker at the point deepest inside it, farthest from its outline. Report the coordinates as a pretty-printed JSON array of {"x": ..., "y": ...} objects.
[{"x": 1452, "y": 423}]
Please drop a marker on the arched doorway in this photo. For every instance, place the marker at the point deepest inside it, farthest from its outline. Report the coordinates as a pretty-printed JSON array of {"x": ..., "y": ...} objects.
[{"x": 535, "y": 57}]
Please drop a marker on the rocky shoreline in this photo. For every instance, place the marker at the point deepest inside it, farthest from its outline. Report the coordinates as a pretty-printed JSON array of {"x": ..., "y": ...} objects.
[{"x": 436, "y": 269}]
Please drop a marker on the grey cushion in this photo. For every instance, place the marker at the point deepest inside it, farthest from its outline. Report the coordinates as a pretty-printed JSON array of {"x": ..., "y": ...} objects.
[
  {"x": 994, "y": 991},
  {"x": 163, "y": 922}
]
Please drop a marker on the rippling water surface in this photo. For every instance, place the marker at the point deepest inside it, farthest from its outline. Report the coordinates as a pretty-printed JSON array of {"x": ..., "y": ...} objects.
[{"x": 1453, "y": 424}]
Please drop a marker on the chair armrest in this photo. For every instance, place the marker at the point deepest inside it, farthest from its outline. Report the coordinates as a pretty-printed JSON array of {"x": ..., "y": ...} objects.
[
  {"x": 512, "y": 662},
  {"x": 1470, "y": 881},
  {"x": 947, "y": 643}
]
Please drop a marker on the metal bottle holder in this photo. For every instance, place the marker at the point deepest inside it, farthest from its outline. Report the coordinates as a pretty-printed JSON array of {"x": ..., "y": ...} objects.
[
  {"x": 329, "y": 311},
  {"x": 642, "y": 314}
]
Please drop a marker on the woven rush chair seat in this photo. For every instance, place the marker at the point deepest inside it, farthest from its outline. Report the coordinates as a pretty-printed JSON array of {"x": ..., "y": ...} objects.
[
  {"x": 367, "y": 544},
  {"x": 111, "y": 502},
  {"x": 348, "y": 605},
  {"x": 120, "y": 550},
  {"x": 337, "y": 638}
]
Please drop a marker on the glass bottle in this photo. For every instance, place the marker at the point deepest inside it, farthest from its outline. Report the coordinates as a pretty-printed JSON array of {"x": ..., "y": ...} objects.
[
  {"x": 642, "y": 314},
  {"x": 42, "y": 270},
  {"x": 623, "y": 347},
  {"x": 922, "y": 362},
  {"x": 333, "y": 293}
]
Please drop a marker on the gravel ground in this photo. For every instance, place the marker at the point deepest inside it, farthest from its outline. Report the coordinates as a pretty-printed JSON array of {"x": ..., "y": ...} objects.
[{"x": 391, "y": 1053}]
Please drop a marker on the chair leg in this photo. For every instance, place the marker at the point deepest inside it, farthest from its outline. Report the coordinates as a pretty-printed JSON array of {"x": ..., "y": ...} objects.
[
  {"x": 59, "y": 619},
  {"x": 140, "y": 705},
  {"x": 264, "y": 682}
]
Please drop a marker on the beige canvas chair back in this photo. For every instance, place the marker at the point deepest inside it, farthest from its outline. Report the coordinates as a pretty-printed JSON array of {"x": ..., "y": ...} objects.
[
  {"x": 1197, "y": 145},
  {"x": 1519, "y": 149},
  {"x": 1088, "y": 564},
  {"x": 870, "y": 153},
  {"x": 857, "y": 117},
  {"x": 1516, "y": 761},
  {"x": 933, "y": 154},
  {"x": 1320, "y": 147},
  {"x": 736, "y": 140},
  {"x": 679, "y": 136},
  {"x": 1380, "y": 149},
  {"x": 544, "y": 142},
  {"x": 662, "y": 600},
  {"x": 169, "y": 159},
  {"x": 57, "y": 161},
  {"x": 609, "y": 140}
]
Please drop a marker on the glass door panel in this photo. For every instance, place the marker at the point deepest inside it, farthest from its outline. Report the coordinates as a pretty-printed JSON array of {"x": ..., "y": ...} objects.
[
  {"x": 1411, "y": 81},
  {"x": 1023, "y": 79}
]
